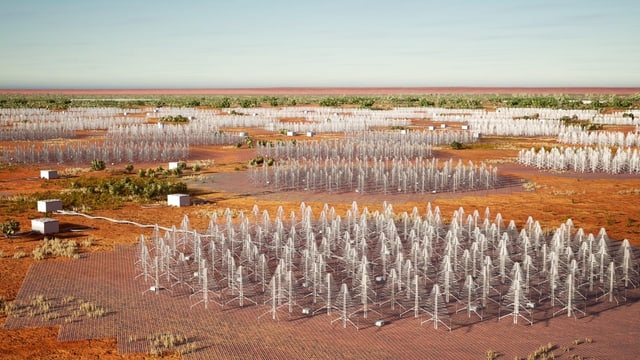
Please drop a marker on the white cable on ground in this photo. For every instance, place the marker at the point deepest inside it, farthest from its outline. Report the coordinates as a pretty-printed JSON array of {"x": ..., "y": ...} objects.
[{"x": 66, "y": 212}]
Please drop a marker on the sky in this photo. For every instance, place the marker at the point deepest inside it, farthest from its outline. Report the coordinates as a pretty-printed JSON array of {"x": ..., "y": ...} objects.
[{"x": 324, "y": 43}]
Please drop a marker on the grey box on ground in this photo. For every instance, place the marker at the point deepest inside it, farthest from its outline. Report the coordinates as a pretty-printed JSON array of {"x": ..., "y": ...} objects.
[
  {"x": 51, "y": 205},
  {"x": 45, "y": 226}
]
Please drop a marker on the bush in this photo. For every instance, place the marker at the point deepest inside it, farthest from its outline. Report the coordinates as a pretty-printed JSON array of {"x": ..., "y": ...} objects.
[
  {"x": 259, "y": 160},
  {"x": 98, "y": 165},
  {"x": 175, "y": 119},
  {"x": 249, "y": 141},
  {"x": 457, "y": 145},
  {"x": 129, "y": 168},
  {"x": 594, "y": 127},
  {"x": 10, "y": 228}
]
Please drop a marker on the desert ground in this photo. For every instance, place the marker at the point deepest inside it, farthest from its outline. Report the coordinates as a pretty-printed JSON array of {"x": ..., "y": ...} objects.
[{"x": 592, "y": 201}]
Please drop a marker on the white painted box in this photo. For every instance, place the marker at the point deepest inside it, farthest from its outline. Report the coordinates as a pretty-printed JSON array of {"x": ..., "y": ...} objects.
[
  {"x": 175, "y": 164},
  {"x": 45, "y": 226},
  {"x": 50, "y": 205},
  {"x": 48, "y": 174},
  {"x": 178, "y": 200}
]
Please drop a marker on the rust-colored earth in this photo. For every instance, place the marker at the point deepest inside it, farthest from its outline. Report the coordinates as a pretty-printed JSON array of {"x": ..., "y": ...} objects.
[{"x": 591, "y": 201}]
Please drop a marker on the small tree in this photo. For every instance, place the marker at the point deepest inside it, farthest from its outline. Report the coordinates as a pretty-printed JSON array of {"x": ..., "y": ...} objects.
[
  {"x": 10, "y": 228},
  {"x": 129, "y": 168},
  {"x": 98, "y": 165}
]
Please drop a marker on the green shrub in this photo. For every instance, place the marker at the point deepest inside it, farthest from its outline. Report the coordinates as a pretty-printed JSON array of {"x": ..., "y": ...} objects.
[
  {"x": 10, "y": 228},
  {"x": 259, "y": 160},
  {"x": 594, "y": 127},
  {"x": 98, "y": 165},
  {"x": 178, "y": 119},
  {"x": 457, "y": 145}
]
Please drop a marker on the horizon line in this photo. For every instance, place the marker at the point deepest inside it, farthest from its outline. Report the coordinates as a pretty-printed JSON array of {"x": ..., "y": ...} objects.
[{"x": 337, "y": 90}]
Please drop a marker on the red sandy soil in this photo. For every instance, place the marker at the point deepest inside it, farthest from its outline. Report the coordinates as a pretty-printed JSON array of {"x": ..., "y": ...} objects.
[
  {"x": 592, "y": 201},
  {"x": 335, "y": 91}
]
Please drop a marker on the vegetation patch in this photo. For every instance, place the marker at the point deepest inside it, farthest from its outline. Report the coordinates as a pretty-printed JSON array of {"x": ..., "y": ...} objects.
[
  {"x": 56, "y": 247},
  {"x": 146, "y": 189},
  {"x": 108, "y": 193},
  {"x": 98, "y": 165},
  {"x": 68, "y": 308},
  {"x": 178, "y": 119},
  {"x": 629, "y": 192},
  {"x": 448, "y": 101},
  {"x": 162, "y": 344},
  {"x": 10, "y": 228},
  {"x": 259, "y": 160}
]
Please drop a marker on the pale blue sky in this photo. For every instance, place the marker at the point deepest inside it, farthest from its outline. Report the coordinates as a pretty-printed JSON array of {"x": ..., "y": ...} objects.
[{"x": 259, "y": 43}]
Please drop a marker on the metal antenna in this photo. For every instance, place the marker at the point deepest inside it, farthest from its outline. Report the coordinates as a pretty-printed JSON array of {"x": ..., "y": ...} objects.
[
  {"x": 437, "y": 308},
  {"x": 516, "y": 300}
]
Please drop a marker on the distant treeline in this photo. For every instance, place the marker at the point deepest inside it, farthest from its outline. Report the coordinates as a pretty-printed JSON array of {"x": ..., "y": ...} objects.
[{"x": 458, "y": 101}]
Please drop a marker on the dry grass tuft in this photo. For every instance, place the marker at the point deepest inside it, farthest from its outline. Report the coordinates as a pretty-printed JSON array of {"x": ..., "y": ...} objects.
[{"x": 55, "y": 247}]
